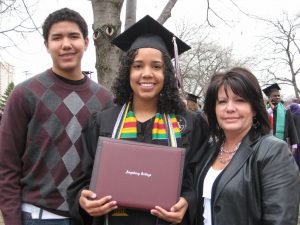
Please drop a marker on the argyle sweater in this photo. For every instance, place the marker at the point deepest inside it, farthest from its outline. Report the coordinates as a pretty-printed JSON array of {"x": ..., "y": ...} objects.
[{"x": 40, "y": 142}]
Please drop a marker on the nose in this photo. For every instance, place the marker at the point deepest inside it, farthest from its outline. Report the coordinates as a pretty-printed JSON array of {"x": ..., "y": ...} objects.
[
  {"x": 66, "y": 43},
  {"x": 147, "y": 72},
  {"x": 230, "y": 106}
]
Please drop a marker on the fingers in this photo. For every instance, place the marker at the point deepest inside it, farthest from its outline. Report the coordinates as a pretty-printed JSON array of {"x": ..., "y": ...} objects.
[
  {"x": 176, "y": 213},
  {"x": 96, "y": 207},
  {"x": 179, "y": 205}
]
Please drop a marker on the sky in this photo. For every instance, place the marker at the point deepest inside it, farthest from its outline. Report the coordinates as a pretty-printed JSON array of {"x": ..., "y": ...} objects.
[{"x": 239, "y": 32}]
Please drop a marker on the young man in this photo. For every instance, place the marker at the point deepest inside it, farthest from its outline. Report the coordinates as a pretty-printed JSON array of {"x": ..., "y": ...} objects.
[
  {"x": 281, "y": 120},
  {"x": 40, "y": 133}
]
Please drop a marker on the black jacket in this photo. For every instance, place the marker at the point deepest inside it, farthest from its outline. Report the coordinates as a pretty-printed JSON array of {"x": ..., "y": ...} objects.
[
  {"x": 260, "y": 186},
  {"x": 194, "y": 135}
]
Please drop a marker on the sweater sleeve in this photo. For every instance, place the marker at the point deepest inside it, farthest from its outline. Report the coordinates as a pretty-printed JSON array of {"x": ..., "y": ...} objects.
[{"x": 13, "y": 132}]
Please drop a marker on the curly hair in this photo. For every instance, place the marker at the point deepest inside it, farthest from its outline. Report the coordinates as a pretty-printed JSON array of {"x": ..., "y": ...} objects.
[
  {"x": 64, "y": 14},
  {"x": 169, "y": 100},
  {"x": 244, "y": 84}
]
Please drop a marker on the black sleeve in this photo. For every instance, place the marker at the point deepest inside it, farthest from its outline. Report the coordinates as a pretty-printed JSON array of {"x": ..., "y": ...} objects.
[
  {"x": 90, "y": 134},
  {"x": 291, "y": 129},
  {"x": 197, "y": 144}
]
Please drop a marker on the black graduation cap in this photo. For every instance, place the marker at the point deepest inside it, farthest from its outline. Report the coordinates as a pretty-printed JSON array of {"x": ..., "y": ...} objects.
[
  {"x": 148, "y": 33},
  {"x": 270, "y": 89},
  {"x": 192, "y": 97}
]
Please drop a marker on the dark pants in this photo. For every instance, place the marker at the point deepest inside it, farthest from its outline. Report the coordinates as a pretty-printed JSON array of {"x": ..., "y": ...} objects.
[{"x": 27, "y": 220}]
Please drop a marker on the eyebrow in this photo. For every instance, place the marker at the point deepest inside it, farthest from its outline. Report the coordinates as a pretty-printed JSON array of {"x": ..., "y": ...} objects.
[{"x": 60, "y": 34}]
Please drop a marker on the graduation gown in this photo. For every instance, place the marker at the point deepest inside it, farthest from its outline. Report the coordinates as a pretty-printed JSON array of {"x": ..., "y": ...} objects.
[
  {"x": 290, "y": 132},
  {"x": 194, "y": 132}
]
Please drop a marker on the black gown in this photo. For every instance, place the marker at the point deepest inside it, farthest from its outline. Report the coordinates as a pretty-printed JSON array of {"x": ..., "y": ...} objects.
[
  {"x": 194, "y": 132},
  {"x": 290, "y": 131}
]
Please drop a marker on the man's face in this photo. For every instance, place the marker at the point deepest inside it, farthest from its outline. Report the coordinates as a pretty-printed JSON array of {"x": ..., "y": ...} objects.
[
  {"x": 275, "y": 97},
  {"x": 66, "y": 46}
]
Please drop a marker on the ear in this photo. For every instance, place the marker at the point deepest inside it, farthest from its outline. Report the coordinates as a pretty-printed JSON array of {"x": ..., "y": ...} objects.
[
  {"x": 86, "y": 42},
  {"x": 46, "y": 45}
]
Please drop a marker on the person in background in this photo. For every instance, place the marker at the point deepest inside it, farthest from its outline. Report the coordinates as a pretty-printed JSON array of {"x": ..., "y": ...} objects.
[
  {"x": 247, "y": 176},
  {"x": 295, "y": 110},
  {"x": 147, "y": 98},
  {"x": 282, "y": 123},
  {"x": 192, "y": 102},
  {"x": 40, "y": 144}
]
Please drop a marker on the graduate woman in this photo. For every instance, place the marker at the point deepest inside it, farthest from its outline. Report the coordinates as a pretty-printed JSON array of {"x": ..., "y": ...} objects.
[{"x": 148, "y": 109}]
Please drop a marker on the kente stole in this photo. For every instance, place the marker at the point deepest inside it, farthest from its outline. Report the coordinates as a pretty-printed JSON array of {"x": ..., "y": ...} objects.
[{"x": 165, "y": 126}]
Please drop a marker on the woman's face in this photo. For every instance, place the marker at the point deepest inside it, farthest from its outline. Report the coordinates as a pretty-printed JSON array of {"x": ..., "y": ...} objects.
[
  {"x": 234, "y": 114},
  {"x": 147, "y": 75}
]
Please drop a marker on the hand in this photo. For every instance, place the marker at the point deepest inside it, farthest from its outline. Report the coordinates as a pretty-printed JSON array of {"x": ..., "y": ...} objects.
[
  {"x": 176, "y": 213},
  {"x": 272, "y": 103},
  {"x": 96, "y": 207}
]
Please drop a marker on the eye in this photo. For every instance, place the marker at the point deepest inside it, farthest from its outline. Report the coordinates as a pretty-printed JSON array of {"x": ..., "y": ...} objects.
[
  {"x": 55, "y": 38},
  {"x": 240, "y": 100},
  {"x": 136, "y": 65},
  {"x": 221, "y": 101},
  {"x": 74, "y": 37},
  {"x": 157, "y": 66}
]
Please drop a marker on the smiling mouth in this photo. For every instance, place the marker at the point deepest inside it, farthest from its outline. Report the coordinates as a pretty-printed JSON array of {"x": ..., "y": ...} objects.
[
  {"x": 231, "y": 119},
  {"x": 147, "y": 85},
  {"x": 65, "y": 55}
]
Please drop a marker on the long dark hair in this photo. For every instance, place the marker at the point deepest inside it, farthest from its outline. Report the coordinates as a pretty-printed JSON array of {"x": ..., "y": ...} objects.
[
  {"x": 169, "y": 100},
  {"x": 244, "y": 84}
]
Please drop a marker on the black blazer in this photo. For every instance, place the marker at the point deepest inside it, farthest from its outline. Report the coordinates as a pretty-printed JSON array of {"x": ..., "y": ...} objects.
[{"x": 260, "y": 186}]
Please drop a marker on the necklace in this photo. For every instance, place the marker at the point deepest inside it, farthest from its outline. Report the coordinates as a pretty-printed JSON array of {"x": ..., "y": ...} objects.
[{"x": 225, "y": 156}]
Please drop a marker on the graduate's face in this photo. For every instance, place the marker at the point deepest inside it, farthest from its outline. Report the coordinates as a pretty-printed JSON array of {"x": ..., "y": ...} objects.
[
  {"x": 275, "y": 97},
  {"x": 147, "y": 75}
]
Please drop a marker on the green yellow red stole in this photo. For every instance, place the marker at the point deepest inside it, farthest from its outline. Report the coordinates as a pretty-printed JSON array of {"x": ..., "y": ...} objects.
[{"x": 165, "y": 126}]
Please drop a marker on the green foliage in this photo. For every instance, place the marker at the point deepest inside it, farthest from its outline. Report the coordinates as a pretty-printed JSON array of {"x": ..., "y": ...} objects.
[{"x": 6, "y": 94}]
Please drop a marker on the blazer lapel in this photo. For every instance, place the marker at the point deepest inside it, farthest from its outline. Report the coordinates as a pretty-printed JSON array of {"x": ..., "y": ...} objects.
[{"x": 239, "y": 159}]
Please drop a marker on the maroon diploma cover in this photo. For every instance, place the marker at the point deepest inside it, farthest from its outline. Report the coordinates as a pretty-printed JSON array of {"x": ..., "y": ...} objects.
[{"x": 137, "y": 175}]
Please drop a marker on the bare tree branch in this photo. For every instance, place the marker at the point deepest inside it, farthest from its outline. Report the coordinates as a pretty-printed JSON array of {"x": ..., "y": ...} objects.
[
  {"x": 166, "y": 13},
  {"x": 282, "y": 50}
]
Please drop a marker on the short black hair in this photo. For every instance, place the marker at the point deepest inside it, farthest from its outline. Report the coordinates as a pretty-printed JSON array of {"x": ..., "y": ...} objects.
[
  {"x": 244, "y": 84},
  {"x": 64, "y": 14},
  {"x": 169, "y": 100}
]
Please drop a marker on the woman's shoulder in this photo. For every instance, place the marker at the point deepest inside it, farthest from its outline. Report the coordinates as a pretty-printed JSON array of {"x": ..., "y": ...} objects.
[
  {"x": 270, "y": 146},
  {"x": 269, "y": 139},
  {"x": 106, "y": 116}
]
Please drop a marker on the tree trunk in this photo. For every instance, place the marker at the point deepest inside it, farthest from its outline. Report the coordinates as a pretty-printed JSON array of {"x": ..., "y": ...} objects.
[
  {"x": 106, "y": 26},
  {"x": 130, "y": 13}
]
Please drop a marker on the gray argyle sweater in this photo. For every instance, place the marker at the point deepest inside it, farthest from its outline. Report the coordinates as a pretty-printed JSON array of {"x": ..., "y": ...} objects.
[{"x": 40, "y": 144}]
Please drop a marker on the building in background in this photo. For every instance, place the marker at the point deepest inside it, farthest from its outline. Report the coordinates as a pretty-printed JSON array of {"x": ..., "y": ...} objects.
[{"x": 6, "y": 76}]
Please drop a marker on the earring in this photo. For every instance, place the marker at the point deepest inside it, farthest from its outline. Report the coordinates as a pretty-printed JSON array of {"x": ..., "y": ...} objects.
[{"x": 255, "y": 123}]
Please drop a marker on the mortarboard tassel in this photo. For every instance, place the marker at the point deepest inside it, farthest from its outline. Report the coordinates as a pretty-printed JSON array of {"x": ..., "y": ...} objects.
[{"x": 177, "y": 68}]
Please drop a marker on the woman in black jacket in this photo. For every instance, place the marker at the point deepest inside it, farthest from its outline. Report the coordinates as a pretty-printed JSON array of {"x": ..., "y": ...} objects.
[{"x": 248, "y": 177}]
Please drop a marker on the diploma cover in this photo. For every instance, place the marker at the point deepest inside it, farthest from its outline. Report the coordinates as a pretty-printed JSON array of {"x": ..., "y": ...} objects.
[{"x": 137, "y": 175}]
